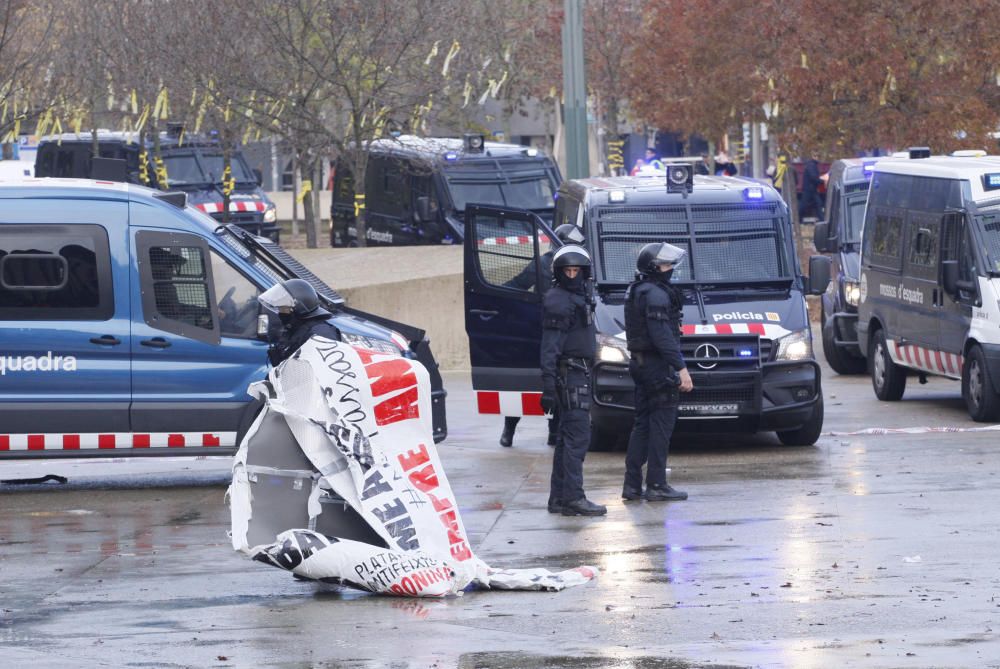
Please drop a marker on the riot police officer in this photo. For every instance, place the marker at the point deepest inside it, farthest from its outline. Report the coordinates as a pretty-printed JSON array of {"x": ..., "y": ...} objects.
[
  {"x": 301, "y": 315},
  {"x": 541, "y": 267},
  {"x": 569, "y": 342},
  {"x": 652, "y": 327}
]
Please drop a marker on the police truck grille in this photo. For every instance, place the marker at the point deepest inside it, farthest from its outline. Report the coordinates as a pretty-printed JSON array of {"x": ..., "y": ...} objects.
[
  {"x": 238, "y": 216},
  {"x": 722, "y": 352},
  {"x": 720, "y": 389}
]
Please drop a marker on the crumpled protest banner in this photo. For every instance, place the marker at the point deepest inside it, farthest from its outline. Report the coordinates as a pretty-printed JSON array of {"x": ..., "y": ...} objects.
[{"x": 338, "y": 480}]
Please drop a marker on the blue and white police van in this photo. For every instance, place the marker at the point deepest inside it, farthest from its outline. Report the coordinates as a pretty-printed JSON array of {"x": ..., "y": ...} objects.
[
  {"x": 929, "y": 300},
  {"x": 746, "y": 335},
  {"x": 129, "y": 322}
]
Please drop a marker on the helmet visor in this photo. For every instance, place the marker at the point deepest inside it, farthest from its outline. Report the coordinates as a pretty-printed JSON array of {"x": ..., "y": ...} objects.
[
  {"x": 277, "y": 298},
  {"x": 669, "y": 255}
]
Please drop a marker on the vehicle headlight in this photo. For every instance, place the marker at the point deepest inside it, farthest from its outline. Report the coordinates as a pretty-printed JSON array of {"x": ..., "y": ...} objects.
[
  {"x": 370, "y": 343},
  {"x": 795, "y": 346},
  {"x": 852, "y": 292},
  {"x": 611, "y": 349},
  {"x": 270, "y": 214}
]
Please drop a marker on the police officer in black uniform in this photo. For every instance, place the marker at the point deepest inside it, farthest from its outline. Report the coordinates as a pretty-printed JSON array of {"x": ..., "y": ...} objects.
[
  {"x": 569, "y": 342},
  {"x": 567, "y": 233},
  {"x": 301, "y": 315},
  {"x": 653, "y": 329}
]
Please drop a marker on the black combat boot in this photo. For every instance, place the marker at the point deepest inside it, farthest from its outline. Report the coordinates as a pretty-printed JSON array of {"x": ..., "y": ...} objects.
[
  {"x": 507, "y": 437},
  {"x": 583, "y": 507},
  {"x": 664, "y": 493},
  {"x": 555, "y": 505},
  {"x": 630, "y": 494}
]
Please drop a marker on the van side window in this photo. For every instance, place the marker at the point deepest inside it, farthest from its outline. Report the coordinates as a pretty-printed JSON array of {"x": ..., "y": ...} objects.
[
  {"x": 924, "y": 234},
  {"x": 237, "y": 296},
  {"x": 887, "y": 238},
  {"x": 177, "y": 291},
  {"x": 55, "y": 272},
  {"x": 343, "y": 189},
  {"x": 386, "y": 188},
  {"x": 505, "y": 252}
]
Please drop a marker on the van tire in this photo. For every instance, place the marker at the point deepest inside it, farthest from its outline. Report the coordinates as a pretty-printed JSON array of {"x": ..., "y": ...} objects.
[
  {"x": 978, "y": 391},
  {"x": 839, "y": 360},
  {"x": 888, "y": 378},
  {"x": 808, "y": 434}
]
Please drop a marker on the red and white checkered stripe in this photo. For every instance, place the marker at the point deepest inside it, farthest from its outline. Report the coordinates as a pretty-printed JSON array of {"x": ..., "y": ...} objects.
[
  {"x": 766, "y": 330},
  {"x": 120, "y": 441},
  {"x": 511, "y": 241},
  {"x": 239, "y": 205},
  {"x": 509, "y": 403},
  {"x": 927, "y": 360}
]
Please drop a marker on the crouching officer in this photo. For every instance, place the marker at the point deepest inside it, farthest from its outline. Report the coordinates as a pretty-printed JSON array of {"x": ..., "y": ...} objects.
[
  {"x": 653, "y": 329},
  {"x": 301, "y": 315},
  {"x": 569, "y": 342}
]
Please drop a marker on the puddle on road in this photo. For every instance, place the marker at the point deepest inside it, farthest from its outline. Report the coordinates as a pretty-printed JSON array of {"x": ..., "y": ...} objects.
[{"x": 518, "y": 660}]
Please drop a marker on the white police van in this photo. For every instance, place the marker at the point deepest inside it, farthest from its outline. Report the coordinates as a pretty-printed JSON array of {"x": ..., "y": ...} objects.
[{"x": 930, "y": 277}]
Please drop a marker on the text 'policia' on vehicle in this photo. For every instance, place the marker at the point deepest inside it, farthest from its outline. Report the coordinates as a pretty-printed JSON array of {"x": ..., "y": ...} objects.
[
  {"x": 416, "y": 189},
  {"x": 745, "y": 333},
  {"x": 130, "y": 324},
  {"x": 193, "y": 164}
]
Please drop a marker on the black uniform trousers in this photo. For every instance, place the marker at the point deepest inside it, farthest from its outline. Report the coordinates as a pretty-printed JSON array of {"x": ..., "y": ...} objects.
[
  {"x": 573, "y": 397},
  {"x": 655, "y": 417}
]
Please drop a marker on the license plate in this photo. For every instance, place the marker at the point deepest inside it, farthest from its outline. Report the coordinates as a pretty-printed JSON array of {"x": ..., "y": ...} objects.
[{"x": 710, "y": 409}]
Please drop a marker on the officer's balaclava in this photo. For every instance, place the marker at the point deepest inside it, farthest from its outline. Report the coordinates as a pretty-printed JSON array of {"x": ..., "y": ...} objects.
[{"x": 576, "y": 284}]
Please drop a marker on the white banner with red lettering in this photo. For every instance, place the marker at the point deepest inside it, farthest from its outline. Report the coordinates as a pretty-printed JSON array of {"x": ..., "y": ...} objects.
[{"x": 363, "y": 419}]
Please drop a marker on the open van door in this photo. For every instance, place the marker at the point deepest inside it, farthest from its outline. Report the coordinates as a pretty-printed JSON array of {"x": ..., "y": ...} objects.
[{"x": 505, "y": 277}]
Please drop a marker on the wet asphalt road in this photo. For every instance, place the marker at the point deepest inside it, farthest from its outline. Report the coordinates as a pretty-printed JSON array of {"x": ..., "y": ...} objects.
[{"x": 872, "y": 551}]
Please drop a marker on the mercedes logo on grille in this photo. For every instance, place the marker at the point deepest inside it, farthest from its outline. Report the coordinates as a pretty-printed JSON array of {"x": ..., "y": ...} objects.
[{"x": 707, "y": 353}]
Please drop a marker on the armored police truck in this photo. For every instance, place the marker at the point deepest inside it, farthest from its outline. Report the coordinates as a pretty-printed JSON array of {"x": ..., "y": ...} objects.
[
  {"x": 193, "y": 164},
  {"x": 930, "y": 277},
  {"x": 840, "y": 236},
  {"x": 417, "y": 189},
  {"x": 746, "y": 336}
]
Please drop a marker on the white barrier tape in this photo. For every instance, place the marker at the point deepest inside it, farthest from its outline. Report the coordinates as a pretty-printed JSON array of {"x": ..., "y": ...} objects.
[{"x": 911, "y": 430}]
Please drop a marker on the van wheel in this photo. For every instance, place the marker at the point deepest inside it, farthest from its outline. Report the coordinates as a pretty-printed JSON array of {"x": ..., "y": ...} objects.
[
  {"x": 839, "y": 360},
  {"x": 978, "y": 391},
  {"x": 808, "y": 434},
  {"x": 888, "y": 378}
]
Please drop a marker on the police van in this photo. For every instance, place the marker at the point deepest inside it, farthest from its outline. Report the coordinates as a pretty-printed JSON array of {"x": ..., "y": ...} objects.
[
  {"x": 840, "y": 237},
  {"x": 746, "y": 335},
  {"x": 416, "y": 189},
  {"x": 193, "y": 164},
  {"x": 129, "y": 322},
  {"x": 930, "y": 277}
]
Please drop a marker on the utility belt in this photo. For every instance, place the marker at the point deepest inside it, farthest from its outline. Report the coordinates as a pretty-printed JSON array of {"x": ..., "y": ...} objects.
[
  {"x": 661, "y": 382},
  {"x": 574, "y": 396}
]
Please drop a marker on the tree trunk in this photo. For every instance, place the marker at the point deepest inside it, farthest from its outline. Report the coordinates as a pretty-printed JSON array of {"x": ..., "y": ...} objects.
[
  {"x": 227, "y": 173},
  {"x": 308, "y": 205},
  {"x": 360, "y": 172},
  {"x": 314, "y": 194}
]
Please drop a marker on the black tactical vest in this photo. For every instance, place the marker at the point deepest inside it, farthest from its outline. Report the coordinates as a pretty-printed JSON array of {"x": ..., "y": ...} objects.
[{"x": 636, "y": 324}]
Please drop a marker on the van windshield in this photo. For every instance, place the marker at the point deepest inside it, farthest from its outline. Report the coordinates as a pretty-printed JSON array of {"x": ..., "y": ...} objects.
[
  {"x": 725, "y": 243},
  {"x": 195, "y": 168},
  {"x": 855, "y": 221},
  {"x": 989, "y": 226},
  {"x": 502, "y": 183}
]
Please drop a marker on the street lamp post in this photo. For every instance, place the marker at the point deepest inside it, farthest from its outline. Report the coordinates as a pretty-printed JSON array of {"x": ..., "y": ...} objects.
[{"x": 574, "y": 92}]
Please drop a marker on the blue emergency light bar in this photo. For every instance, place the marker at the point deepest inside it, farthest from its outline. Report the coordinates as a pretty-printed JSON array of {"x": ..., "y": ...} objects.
[
  {"x": 991, "y": 181},
  {"x": 451, "y": 155},
  {"x": 867, "y": 169},
  {"x": 753, "y": 193},
  {"x": 745, "y": 353}
]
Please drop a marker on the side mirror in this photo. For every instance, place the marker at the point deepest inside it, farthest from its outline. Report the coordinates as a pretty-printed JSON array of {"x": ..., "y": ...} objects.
[
  {"x": 949, "y": 276},
  {"x": 259, "y": 176},
  {"x": 819, "y": 275},
  {"x": 423, "y": 210},
  {"x": 820, "y": 236}
]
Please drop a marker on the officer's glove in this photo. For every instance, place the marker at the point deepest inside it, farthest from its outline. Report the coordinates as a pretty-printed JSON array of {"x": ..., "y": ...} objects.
[{"x": 548, "y": 398}]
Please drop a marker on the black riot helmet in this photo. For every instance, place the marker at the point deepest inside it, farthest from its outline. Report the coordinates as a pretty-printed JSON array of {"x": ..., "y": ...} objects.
[
  {"x": 571, "y": 255},
  {"x": 293, "y": 297},
  {"x": 569, "y": 234},
  {"x": 658, "y": 253}
]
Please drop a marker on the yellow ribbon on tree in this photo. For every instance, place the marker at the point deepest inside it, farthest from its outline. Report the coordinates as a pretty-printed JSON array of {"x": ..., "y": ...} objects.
[
  {"x": 307, "y": 186},
  {"x": 143, "y": 166},
  {"x": 228, "y": 182},
  {"x": 359, "y": 204}
]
